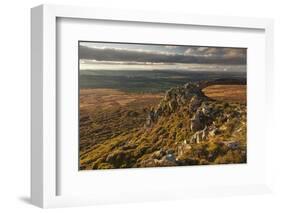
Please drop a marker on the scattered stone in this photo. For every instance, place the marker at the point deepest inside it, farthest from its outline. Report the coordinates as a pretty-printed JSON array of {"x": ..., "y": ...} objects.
[
  {"x": 170, "y": 157},
  {"x": 230, "y": 144}
]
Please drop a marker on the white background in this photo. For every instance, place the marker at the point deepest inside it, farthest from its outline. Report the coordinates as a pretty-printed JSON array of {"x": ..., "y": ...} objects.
[{"x": 15, "y": 105}]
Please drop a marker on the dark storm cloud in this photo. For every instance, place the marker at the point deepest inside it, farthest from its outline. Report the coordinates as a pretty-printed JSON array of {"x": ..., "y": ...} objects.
[{"x": 161, "y": 53}]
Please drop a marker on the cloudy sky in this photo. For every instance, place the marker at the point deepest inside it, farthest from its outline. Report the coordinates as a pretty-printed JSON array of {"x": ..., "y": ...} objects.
[{"x": 117, "y": 56}]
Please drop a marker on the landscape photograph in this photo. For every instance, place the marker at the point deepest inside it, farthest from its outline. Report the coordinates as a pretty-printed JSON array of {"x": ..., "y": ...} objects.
[{"x": 161, "y": 105}]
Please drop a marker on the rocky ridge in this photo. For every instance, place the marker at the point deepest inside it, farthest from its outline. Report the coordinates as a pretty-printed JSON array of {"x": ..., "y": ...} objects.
[{"x": 185, "y": 128}]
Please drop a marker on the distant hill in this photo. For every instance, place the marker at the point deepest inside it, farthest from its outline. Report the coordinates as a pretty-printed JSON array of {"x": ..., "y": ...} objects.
[{"x": 138, "y": 81}]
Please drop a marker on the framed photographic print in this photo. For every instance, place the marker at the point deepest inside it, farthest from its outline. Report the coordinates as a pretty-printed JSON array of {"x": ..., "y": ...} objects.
[
  {"x": 130, "y": 106},
  {"x": 154, "y": 105}
]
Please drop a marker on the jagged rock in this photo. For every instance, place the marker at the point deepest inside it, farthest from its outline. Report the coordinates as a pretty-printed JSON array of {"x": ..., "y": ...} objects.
[
  {"x": 199, "y": 136},
  {"x": 197, "y": 122},
  {"x": 192, "y": 140},
  {"x": 190, "y": 95},
  {"x": 161, "y": 108},
  {"x": 183, "y": 100},
  {"x": 173, "y": 105},
  {"x": 194, "y": 103},
  {"x": 205, "y": 133},
  {"x": 186, "y": 85},
  {"x": 156, "y": 115},
  {"x": 207, "y": 110},
  {"x": 151, "y": 117},
  {"x": 170, "y": 94},
  {"x": 201, "y": 119}
]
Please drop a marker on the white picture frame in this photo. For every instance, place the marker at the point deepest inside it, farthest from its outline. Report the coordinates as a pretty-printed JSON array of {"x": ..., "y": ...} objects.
[{"x": 44, "y": 155}]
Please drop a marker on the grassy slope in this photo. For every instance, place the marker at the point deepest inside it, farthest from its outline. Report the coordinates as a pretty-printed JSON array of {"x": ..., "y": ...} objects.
[{"x": 139, "y": 146}]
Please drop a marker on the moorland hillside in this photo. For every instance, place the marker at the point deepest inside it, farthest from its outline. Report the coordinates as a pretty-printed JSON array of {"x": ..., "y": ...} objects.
[{"x": 193, "y": 124}]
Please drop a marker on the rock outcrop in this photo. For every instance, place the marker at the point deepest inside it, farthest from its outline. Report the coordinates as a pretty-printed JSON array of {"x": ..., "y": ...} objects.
[
  {"x": 190, "y": 95},
  {"x": 208, "y": 120}
]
